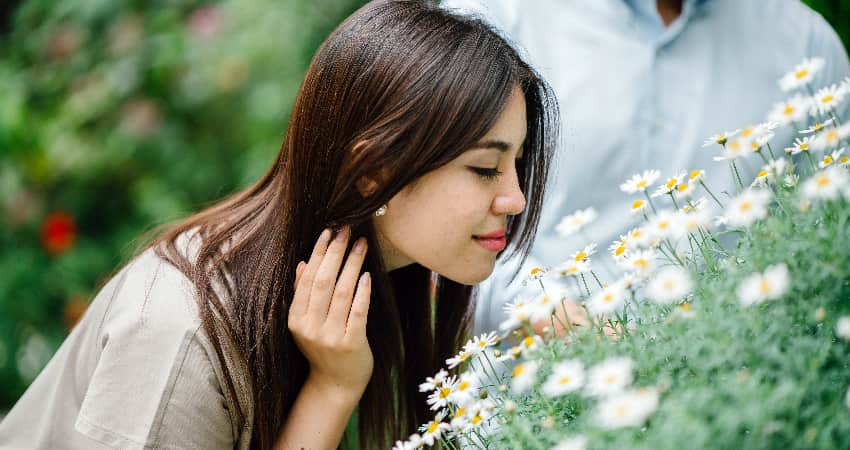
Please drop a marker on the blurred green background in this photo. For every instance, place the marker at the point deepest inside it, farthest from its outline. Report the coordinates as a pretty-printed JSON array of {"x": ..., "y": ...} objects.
[{"x": 117, "y": 115}]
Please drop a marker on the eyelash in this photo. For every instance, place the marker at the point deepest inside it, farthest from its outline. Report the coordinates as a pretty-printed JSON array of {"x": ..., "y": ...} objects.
[{"x": 486, "y": 173}]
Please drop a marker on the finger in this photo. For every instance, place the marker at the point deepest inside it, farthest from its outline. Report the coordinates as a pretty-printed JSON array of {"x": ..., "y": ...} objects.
[
  {"x": 356, "y": 328},
  {"x": 345, "y": 286},
  {"x": 304, "y": 283},
  {"x": 299, "y": 270},
  {"x": 326, "y": 275}
]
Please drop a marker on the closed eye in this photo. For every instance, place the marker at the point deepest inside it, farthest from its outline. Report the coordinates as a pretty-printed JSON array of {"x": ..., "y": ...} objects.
[{"x": 485, "y": 172}]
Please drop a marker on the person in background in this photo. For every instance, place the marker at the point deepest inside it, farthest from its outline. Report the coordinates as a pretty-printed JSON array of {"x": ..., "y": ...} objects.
[{"x": 641, "y": 85}]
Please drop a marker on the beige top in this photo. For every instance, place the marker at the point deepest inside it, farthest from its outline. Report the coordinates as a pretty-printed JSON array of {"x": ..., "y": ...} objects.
[{"x": 137, "y": 372}]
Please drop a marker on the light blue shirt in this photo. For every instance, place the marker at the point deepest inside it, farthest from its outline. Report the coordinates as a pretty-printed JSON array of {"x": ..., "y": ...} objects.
[{"x": 637, "y": 95}]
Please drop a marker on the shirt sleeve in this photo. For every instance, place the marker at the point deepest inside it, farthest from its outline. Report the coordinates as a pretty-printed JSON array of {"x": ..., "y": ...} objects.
[{"x": 154, "y": 384}]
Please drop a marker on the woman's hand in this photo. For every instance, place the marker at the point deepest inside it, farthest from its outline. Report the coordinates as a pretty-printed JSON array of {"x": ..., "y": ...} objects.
[{"x": 328, "y": 315}]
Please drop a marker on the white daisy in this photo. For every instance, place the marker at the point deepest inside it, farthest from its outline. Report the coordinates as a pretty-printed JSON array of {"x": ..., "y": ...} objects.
[
  {"x": 695, "y": 176},
  {"x": 466, "y": 389},
  {"x": 802, "y": 74},
  {"x": 571, "y": 267},
  {"x": 571, "y": 443},
  {"x": 641, "y": 262},
  {"x": 748, "y": 207},
  {"x": 720, "y": 138},
  {"x": 800, "y": 145},
  {"x": 666, "y": 224},
  {"x": 479, "y": 413},
  {"x": 697, "y": 217},
  {"x": 684, "y": 190},
  {"x": 607, "y": 300},
  {"x": 639, "y": 237},
  {"x": 542, "y": 306},
  {"x": 481, "y": 342},
  {"x": 458, "y": 359},
  {"x": 414, "y": 442},
  {"x": 513, "y": 353},
  {"x": 574, "y": 222},
  {"x": 669, "y": 285},
  {"x": 433, "y": 431},
  {"x": 842, "y": 328},
  {"x": 831, "y": 158},
  {"x": 826, "y": 184},
  {"x": 827, "y": 98},
  {"x": 826, "y": 139},
  {"x": 537, "y": 273},
  {"x": 734, "y": 149},
  {"x": 794, "y": 109},
  {"x": 669, "y": 185},
  {"x": 814, "y": 128},
  {"x": 530, "y": 343},
  {"x": 791, "y": 180},
  {"x": 760, "y": 141},
  {"x": 627, "y": 409},
  {"x": 440, "y": 397},
  {"x": 640, "y": 182},
  {"x": 567, "y": 376},
  {"x": 618, "y": 248},
  {"x": 518, "y": 311},
  {"x": 693, "y": 206},
  {"x": 435, "y": 382},
  {"x": 610, "y": 376},
  {"x": 769, "y": 172},
  {"x": 523, "y": 376},
  {"x": 638, "y": 207},
  {"x": 770, "y": 285}
]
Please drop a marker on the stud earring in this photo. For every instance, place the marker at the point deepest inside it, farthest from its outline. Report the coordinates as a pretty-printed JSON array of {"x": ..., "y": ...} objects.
[{"x": 381, "y": 211}]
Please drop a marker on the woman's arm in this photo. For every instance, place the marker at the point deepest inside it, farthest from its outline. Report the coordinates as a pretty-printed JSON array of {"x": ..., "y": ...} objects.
[
  {"x": 318, "y": 418},
  {"x": 328, "y": 322}
]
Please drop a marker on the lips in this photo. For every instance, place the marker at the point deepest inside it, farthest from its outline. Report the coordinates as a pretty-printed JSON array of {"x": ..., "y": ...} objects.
[{"x": 494, "y": 241}]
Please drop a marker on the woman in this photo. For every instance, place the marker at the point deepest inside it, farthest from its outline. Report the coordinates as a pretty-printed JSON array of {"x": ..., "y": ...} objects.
[{"x": 414, "y": 141}]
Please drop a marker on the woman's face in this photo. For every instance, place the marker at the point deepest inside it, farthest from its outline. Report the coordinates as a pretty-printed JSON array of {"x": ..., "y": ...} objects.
[{"x": 452, "y": 220}]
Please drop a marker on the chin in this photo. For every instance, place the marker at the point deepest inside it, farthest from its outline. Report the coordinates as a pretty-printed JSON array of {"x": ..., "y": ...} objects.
[{"x": 469, "y": 277}]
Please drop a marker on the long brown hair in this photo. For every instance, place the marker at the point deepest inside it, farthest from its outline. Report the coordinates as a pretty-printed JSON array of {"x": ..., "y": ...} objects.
[{"x": 397, "y": 90}]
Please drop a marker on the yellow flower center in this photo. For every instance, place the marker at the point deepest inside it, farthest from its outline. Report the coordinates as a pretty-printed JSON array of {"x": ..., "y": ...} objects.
[
  {"x": 747, "y": 132},
  {"x": 817, "y": 126},
  {"x": 620, "y": 249},
  {"x": 482, "y": 344},
  {"x": 695, "y": 173},
  {"x": 801, "y": 73},
  {"x": 685, "y": 307},
  {"x": 827, "y": 160},
  {"x": 663, "y": 225},
  {"x": 804, "y": 146},
  {"x": 518, "y": 370},
  {"x": 827, "y": 98},
  {"x": 464, "y": 385},
  {"x": 433, "y": 427},
  {"x": 460, "y": 411},
  {"x": 528, "y": 341},
  {"x": 682, "y": 187},
  {"x": 536, "y": 270},
  {"x": 581, "y": 256},
  {"x": 637, "y": 204},
  {"x": 444, "y": 392},
  {"x": 761, "y": 173},
  {"x": 844, "y": 159},
  {"x": 831, "y": 135},
  {"x": 788, "y": 110},
  {"x": 476, "y": 420},
  {"x": 641, "y": 184},
  {"x": 641, "y": 263},
  {"x": 610, "y": 379},
  {"x": 669, "y": 285},
  {"x": 671, "y": 183},
  {"x": 608, "y": 297},
  {"x": 823, "y": 180},
  {"x": 735, "y": 145},
  {"x": 745, "y": 206},
  {"x": 764, "y": 287},
  {"x": 564, "y": 380}
]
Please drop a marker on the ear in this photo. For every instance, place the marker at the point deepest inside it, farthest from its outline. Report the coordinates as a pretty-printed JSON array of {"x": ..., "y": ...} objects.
[{"x": 366, "y": 186}]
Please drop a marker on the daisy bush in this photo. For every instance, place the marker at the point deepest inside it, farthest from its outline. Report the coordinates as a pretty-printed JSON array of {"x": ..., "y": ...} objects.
[{"x": 729, "y": 326}]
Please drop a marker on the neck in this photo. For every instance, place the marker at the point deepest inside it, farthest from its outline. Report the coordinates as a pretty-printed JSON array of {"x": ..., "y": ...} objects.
[{"x": 669, "y": 10}]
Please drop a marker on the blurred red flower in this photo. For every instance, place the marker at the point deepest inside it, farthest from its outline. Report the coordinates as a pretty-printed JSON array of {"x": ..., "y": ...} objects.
[{"x": 59, "y": 232}]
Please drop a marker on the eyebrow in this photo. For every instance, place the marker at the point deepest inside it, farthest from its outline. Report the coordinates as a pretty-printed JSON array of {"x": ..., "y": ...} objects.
[{"x": 501, "y": 146}]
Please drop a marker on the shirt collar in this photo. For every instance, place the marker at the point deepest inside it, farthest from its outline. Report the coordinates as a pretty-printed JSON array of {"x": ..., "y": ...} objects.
[{"x": 645, "y": 14}]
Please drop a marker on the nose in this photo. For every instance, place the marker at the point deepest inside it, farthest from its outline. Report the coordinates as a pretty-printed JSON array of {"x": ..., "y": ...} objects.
[{"x": 510, "y": 199}]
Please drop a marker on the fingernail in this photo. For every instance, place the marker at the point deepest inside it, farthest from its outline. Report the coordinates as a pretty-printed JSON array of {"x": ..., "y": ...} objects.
[
  {"x": 366, "y": 279},
  {"x": 325, "y": 236},
  {"x": 342, "y": 234},
  {"x": 300, "y": 265},
  {"x": 359, "y": 246}
]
